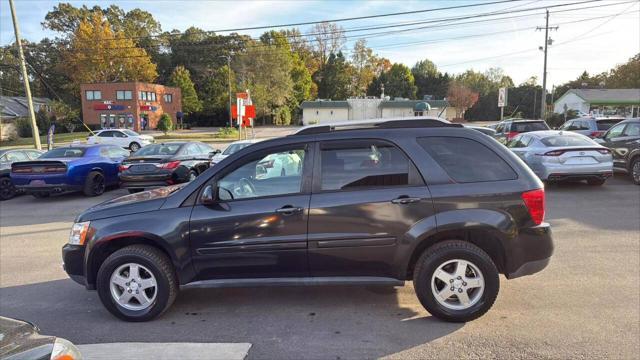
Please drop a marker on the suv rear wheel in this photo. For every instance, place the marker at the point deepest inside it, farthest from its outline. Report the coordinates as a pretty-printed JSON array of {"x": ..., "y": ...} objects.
[
  {"x": 137, "y": 283},
  {"x": 456, "y": 281},
  {"x": 634, "y": 170}
]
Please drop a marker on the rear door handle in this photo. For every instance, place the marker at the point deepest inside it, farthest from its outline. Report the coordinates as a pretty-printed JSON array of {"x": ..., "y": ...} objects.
[
  {"x": 405, "y": 200},
  {"x": 288, "y": 210}
]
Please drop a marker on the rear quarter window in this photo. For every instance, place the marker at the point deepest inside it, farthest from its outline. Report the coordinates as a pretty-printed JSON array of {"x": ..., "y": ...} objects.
[{"x": 466, "y": 160}]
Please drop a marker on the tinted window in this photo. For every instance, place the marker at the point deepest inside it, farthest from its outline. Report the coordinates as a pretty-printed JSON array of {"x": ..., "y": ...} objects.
[
  {"x": 69, "y": 152},
  {"x": 158, "y": 149},
  {"x": 566, "y": 140},
  {"x": 375, "y": 164},
  {"x": 632, "y": 130},
  {"x": 106, "y": 134},
  {"x": 33, "y": 154},
  {"x": 116, "y": 152},
  {"x": 191, "y": 149},
  {"x": 130, "y": 133},
  {"x": 615, "y": 131},
  {"x": 519, "y": 142},
  {"x": 529, "y": 126},
  {"x": 204, "y": 148},
  {"x": 466, "y": 160},
  {"x": 233, "y": 148},
  {"x": 606, "y": 124},
  {"x": 278, "y": 173}
]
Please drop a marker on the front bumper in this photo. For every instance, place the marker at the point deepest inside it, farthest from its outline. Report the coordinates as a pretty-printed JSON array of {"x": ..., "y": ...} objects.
[
  {"x": 73, "y": 263},
  {"x": 531, "y": 251}
]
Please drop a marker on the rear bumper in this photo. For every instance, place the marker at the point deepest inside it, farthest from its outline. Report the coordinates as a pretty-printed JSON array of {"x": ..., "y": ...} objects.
[
  {"x": 48, "y": 188},
  {"x": 73, "y": 263},
  {"x": 145, "y": 181},
  {"x": 531, "y": 251},
  {"x": 594, "y": 176}
]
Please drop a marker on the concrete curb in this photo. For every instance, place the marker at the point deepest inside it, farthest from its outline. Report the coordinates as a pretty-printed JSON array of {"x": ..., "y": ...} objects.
[{"x": 168, "y": 351}]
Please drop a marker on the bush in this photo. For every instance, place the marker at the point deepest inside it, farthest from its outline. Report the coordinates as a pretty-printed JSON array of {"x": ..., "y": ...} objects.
[
  {"x": 165, "y": 124},
  {"x": 227, "y": 133},
  {"x": 282, "y": 116},
  {"x": 23, "y": 126},
  {"x": 43, "y": 121}
]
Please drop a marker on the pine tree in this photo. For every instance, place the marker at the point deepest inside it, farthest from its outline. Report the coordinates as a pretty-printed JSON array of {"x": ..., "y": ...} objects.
[{"x": 182, "y": 78}]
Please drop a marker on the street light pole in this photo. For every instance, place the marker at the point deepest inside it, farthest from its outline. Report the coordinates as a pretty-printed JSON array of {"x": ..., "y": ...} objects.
[
  {"x": 547, "y": 41},
  {"x": 25, "y": 79}
]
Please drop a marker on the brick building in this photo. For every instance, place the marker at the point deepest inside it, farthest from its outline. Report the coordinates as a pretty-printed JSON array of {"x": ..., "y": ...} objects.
[{"x": 125, "y": 105}]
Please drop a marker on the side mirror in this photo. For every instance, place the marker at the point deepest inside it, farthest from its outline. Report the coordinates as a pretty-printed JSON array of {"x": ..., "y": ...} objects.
[{"x": 208, "y": 196}]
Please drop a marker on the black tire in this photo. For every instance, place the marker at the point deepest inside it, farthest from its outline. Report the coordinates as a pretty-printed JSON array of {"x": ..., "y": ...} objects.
[
  {"x": 161, "y": 268},
  {"x": 94, "y": 184},
  {"x": 442, "y": 252},
  {"x": 133, "y": 191},
  {"x": 134, "y": 146},
  {"x": 7, "y": 190},
  {"x": 192, "y": 175},
  {"x": 634, "y": 170},
  {"x": 40, "y": 195},
  {"x": 596, "y": 182}
]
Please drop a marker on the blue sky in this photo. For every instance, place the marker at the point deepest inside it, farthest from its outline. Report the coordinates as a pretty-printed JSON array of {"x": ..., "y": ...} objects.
[{"x": 594, "y": 39}]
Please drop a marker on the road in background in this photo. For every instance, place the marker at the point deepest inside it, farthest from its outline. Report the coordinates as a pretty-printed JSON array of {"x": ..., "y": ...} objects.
[{"x": 586, "y": 304}]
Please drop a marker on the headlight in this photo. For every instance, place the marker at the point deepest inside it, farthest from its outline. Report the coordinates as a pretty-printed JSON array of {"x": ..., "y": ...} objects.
[
  {"x": 78, "y": 233},
  {"x": 65, "y": 350}
]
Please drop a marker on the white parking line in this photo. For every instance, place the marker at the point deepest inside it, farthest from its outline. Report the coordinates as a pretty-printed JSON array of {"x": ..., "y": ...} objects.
[{"x": 168, "y": 351}]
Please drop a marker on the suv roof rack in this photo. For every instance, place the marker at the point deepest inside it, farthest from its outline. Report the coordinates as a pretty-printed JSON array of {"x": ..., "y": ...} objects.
[{"x": 416, "y": 122}]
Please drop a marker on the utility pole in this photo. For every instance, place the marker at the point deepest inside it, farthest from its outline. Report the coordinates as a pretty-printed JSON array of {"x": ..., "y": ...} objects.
[
  {"x": 25, "y": 78},
  {"x": 228, "y": 57},
  {"x": 547, "y": 41}
]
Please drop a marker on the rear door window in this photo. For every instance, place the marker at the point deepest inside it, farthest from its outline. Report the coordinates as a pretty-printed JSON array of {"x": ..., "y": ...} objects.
[
  {"x": 529, "y": 126},
  {"x": 467, "y": 160},
  {"x": 363, "y": 164},
  {"x": 632, "y": 130},
  {"x": 606, "y": 124}
]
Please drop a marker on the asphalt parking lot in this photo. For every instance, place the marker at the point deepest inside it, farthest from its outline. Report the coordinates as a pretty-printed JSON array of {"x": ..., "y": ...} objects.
[{"x": 586, "y": 304}]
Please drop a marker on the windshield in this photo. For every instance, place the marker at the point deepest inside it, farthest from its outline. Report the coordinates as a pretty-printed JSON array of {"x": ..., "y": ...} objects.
[
  {"x": 69, "y": 152},
  {"x": 130, "y": 133},
  {"x": 606, "y": 124},
  {"x": 159, "y": 149},
  {"x": 233, "y": 148},
  {"x": 565, "y": 140}
]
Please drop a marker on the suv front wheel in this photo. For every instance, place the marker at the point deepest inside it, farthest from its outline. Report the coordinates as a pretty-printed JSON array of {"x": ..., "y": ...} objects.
[
  {"x": 137, "y": 283},
  {"x": 456, "y": 281}
]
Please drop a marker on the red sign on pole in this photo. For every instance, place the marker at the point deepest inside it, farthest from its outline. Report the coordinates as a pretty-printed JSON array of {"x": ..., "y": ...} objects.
[{"x": 249, "y": 111}]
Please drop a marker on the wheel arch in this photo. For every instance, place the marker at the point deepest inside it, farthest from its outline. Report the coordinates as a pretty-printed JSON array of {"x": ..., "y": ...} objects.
[{"x": 103, "y": 248}]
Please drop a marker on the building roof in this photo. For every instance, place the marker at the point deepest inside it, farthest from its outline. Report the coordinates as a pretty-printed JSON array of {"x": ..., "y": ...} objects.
[
  {"x": 325, "y": 104},
  {"x": 413, "y": 103},
  {"x": 16, "y": 106},
  {"x": 607, "y": 96}
]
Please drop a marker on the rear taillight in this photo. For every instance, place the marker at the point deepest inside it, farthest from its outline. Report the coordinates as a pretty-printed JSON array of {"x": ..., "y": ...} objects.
[
  {"x": 596, "y": 133},
  {"x": 604, "y": 151},
  {"x": 534, "y": 200},
  {"x": 511, "y": 135},
  {"x": 170, "y": 165},
  {"x": 55, "y": 169},
  {"x": 22, "y": 170},
  {"x": 123, "y": 167},
  {"x": 554, "y": 153}
]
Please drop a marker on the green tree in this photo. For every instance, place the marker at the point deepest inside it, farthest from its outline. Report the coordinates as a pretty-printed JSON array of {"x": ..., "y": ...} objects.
[
  {"x": 182, "y": 79},
  {"x": 364, "y": 62},
  {"x": 430, "y": 81},
  {"x": 398, "y": 82},
  {"x": 43, "y": 121},
  {"x": 65, "y": 115},
  {"x": 282, "y": 116},
  {"x": 165, "y": 124},
  {"x": 334, "y": 78},
  {"x": 215, "y": 95},
  {"x": 625, "y": 76}
]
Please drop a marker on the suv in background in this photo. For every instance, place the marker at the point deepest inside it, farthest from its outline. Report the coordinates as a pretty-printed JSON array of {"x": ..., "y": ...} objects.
[
  {"x": 624, "y": 141},
  {"x": 376, "y": 203},
  {"x": 589, "y": 126},
  {"x": 508, "y": 129},
  {"x": 124, "y": 138}
]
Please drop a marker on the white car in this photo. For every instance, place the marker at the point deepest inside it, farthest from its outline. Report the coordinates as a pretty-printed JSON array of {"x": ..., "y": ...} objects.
[
  {"x": 279, "y": 165},
  {"x": 121, "y": 137},
  {"x": 232, "y": 148}
]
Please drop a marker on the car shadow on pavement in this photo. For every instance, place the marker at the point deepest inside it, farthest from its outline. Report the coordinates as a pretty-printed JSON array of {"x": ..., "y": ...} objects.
[{"x": 283, "y": 322}]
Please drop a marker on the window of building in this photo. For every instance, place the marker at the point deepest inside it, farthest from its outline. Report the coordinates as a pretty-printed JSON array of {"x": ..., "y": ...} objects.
[
  {"x": 467, "y": 160},
  {"x": 153, "y": 96},
  {"x": 93, "y": 95},
  {"x": 168, "y": 98},
  {"x": 123, "y": 95},
  {"x": 363, "y": 164},
  {"x": 146, "y": 96}
]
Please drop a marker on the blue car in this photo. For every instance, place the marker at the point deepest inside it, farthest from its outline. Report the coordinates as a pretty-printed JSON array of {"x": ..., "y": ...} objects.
[{"x": 86, "y": 168}]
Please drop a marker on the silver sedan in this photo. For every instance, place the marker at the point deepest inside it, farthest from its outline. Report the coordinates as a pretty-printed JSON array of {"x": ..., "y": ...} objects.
[{"x": 563, "y": 155}]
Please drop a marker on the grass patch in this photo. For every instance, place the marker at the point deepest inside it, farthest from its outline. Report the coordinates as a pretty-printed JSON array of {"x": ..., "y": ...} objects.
[{"x": 57, "y": 139}]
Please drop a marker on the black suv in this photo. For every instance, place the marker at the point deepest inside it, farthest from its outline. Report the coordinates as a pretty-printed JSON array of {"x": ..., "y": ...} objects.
[
  {"x": 624, "y": 141},
  {"x": 375, "y": 203}
]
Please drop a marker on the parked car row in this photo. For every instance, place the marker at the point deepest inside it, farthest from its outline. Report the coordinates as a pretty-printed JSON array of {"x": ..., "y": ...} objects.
[
  {"x": 588, "y": 149},
  {"x": 92, "y": 169}
]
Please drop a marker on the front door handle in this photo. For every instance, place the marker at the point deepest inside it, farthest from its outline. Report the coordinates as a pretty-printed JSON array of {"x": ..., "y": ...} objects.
[
  {"x": 405, "y": 200},
  {"x": 288, "y": 210}
]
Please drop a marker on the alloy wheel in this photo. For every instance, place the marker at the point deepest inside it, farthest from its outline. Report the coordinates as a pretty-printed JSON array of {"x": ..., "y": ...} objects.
[
  {"x": 6, "y": 188},
  {"x": 457, "y": 284},
  {"x": 635, "y": 172},
  {"x": 133, "y": 286},
  {"x": 98, "y": 184}
]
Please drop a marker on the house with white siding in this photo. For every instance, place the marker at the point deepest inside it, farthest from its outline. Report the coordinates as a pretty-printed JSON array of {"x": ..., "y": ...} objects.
[{"x": 599, "y": 102}]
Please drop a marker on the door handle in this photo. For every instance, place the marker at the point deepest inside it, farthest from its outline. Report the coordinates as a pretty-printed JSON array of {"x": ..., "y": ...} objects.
[
  {"x": 288, "y": 210},
  {"x": 405, "y": 200}
]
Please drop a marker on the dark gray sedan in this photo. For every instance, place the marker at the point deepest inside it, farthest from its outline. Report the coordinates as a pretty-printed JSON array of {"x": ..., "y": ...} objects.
[
  {"x": 20, "y": 340},
  {"x": 8, "y": 157}
]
